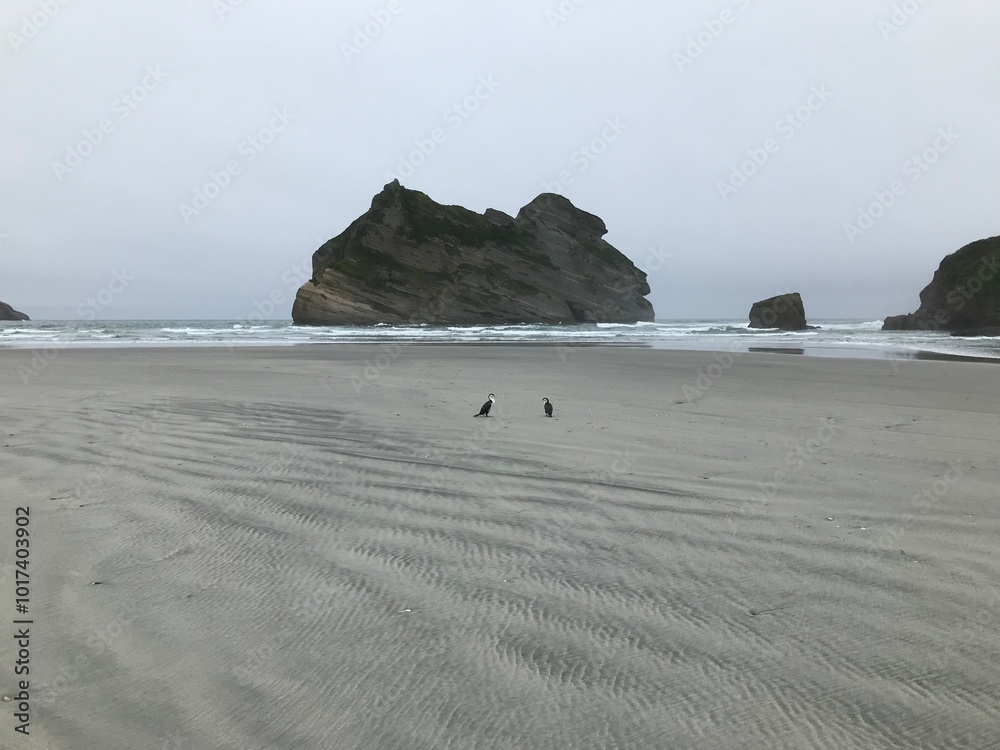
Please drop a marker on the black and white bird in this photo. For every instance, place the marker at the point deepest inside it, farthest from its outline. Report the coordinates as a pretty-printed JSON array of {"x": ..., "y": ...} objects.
[
  {"x": 485, "y": 411},
  {"x": 548, "y": 407}
]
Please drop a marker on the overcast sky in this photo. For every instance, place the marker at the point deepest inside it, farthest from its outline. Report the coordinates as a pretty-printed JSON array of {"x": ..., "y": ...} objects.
[{"x": 187, "y": 157}]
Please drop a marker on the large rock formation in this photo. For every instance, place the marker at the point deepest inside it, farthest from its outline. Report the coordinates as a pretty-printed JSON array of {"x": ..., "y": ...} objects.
[
  {"x": 411, "y": 260},
  {"x": 785, "y": 311},
  {"x": 964, "y": 294},
  {"x": 9, "y": 313}
]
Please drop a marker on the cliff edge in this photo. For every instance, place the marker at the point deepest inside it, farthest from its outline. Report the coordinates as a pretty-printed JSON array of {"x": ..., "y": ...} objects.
[
  {"x": 963, "y": 296},
  {"x": 411, "y": 260},
  {"x": 9, "y": 313}
]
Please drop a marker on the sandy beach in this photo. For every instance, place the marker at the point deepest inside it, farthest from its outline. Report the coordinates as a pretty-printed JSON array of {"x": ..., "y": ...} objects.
[{"x": 320, "y": 547}]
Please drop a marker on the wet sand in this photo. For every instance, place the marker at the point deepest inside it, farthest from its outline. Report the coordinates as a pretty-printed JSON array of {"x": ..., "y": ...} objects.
[{"x": 320, "y": 547}]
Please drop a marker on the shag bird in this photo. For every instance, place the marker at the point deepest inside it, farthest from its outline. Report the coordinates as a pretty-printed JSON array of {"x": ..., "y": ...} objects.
[
  {"x": 485, "y": 411},
  {"x": 548, "y": 407}
]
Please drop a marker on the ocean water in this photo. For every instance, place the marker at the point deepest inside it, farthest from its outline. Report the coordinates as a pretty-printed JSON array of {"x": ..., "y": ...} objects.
[{"x": 833, "y": 338}]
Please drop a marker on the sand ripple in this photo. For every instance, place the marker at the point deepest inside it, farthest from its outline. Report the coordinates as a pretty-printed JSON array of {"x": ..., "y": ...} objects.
[{"x": 303, "y": 578}]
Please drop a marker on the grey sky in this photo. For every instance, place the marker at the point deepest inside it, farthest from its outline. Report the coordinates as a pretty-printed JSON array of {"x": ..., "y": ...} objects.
[{"x": 668, "y": 99}]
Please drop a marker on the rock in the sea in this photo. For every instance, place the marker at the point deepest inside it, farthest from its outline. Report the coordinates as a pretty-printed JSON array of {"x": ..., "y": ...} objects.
[
  {"x": 411, "y": 260},
  {"x": 988, "y": 332},
  {"x": 964, "y": 294},
  {"x": 785, "y": 311},
  {"x": 9, "y": 313}
]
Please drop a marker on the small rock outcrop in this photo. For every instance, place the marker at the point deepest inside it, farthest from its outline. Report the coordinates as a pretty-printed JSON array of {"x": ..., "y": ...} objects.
[
  {"x": 964, "y": 294},
  {"x": 988, "y": 331},
  {"x": 9, "y": 313},
  {"x": 411, "y": 260},
  {"x": 785, "y": 311}
]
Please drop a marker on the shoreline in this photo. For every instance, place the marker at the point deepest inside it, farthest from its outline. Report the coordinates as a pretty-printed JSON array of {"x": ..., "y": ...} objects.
[
  {"x": 814, "y": 352},
  {"x": 838, "y": 339}
]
